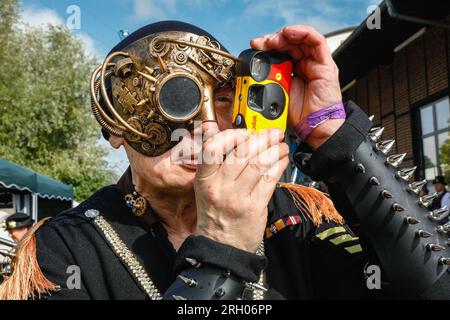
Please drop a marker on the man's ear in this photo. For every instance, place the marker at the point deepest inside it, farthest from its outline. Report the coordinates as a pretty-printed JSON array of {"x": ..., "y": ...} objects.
[{"x": 116, "y": 142}]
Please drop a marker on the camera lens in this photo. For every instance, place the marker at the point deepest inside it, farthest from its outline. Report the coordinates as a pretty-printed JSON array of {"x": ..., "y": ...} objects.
[
  {"x": 274, "y": 110},
  {"x": 267, "y": 99},
  {"x": 260, "y": 66}
]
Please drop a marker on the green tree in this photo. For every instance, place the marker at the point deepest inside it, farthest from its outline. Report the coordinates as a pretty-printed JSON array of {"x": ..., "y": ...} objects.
[
  {"x": 429, "y": 163},
  {"x": 45, "y": 117},
  {"x": 445, "y": 158}
]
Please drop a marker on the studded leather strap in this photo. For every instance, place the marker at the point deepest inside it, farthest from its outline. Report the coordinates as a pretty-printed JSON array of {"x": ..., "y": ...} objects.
[
  {"x": 206, "y": 280},
  {"x": 412, "y": 248}
]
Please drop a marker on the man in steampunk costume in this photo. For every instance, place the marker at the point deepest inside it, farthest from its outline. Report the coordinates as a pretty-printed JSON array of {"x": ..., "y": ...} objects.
[{"x": 226, "y": 229}]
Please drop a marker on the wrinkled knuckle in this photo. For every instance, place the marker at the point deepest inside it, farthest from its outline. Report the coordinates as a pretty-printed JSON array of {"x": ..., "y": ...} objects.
[
  {"x": 284, "y": 148},
  {"x": 322, "y": 38},
  {"x": 233, "y": 206},
  {"x": 212, "y": 194},
  {"x": 270, "y": 178},
  {"x": 310, "y": 29},
  {"x": 258, "y": 166}
]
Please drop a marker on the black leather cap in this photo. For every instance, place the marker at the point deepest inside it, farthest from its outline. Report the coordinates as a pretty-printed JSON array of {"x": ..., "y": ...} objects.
[
  {"x": 439, "y": 179},
  {"x": 18, "y": 220}
]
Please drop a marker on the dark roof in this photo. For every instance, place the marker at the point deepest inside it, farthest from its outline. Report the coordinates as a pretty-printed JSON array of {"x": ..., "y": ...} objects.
[
  {"x": 339, "y": 31},
  {"x": 366, "y": 48}
]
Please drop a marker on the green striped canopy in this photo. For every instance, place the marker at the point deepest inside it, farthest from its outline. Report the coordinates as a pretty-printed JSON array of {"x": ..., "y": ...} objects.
[{"x": 13, "y": 176}]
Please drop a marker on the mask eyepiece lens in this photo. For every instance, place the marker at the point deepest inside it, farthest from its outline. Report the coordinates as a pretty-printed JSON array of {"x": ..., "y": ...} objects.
[{"x": 180, "y": 98}]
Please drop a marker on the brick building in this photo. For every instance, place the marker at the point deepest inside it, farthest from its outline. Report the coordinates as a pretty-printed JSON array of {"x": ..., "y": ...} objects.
[{"x": 400, "y": 73}]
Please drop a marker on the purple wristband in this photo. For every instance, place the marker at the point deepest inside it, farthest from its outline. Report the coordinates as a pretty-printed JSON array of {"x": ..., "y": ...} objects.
[{"x": 304, "y": 128}]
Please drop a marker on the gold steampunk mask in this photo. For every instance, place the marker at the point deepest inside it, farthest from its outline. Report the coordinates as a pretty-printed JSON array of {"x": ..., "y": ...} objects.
[{"x": 159, "y": 83}]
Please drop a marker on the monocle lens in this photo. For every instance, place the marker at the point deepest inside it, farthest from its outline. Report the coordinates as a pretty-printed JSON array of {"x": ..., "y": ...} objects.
[{"x": 180, "y": 97}]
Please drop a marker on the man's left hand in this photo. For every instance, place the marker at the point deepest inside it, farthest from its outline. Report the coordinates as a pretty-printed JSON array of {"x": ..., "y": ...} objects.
[{"x": 316, "y": 77}]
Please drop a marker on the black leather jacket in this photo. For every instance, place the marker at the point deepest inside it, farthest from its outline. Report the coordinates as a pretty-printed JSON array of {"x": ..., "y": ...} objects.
[{"x": 387, "y": 227}]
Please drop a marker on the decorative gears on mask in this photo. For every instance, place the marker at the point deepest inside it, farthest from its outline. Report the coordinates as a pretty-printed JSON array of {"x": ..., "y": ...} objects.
[
  {"x": 159, "y": 48},
  {"x": 157, "y": 132},
  {"x": 136, "y": 124},
  {"x": 181, "y": 47},
  {"x": 159, "y": 83},
  {"x": 123, "y": 67},
  {"x": 181, "y": 57}
]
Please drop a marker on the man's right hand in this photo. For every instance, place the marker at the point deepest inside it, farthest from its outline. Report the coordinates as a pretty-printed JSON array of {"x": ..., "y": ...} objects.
[{"x": 234, "y": 184}]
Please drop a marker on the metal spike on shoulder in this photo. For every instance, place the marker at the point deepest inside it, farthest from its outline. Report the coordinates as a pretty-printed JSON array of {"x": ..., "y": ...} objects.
[
  {"x": 256, "y": 286},
  {"x": 397, "y": 207},
  {"x": 444, "y": 229},
  {"x": 385, "y": 146},
  {"x": 396, "y": 159},
  {"x": 411, "y": 220},
  {"x": 434, "y": 247},
  {"x": 406, "y": 173},
  {"x": 188, "y": 281},
  {"x": 416, "y": 186},
  {"x": 386, "y": 194},
  {"x": 444, "y": 261},
  {"x": 193, "y": 262},
  {"x": 360, "y": 168},
  {"x": 375, "y": 133},
  {"x": 427, "y": 200},
  {"x": 436, "y": 214},
  {"x": 423, "y": 234},
  {"x": 374, "y": 181}
]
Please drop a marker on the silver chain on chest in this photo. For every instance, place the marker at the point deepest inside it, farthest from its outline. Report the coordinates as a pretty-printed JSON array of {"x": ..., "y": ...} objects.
[
  {"x": 128, "y": 258},
  {"x": 138, "y": 271},
  {"x": 259, "y": 294}
]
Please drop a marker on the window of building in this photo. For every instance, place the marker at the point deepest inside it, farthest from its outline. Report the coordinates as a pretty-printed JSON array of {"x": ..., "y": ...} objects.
[
  {"x": 435, "y": 126},
  {"x": 6, "y": 200}
]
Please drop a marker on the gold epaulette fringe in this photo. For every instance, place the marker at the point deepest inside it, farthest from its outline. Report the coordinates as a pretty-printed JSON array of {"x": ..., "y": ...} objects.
[
  {"x": 314, "y": 203},
  {"x": 26, "y": 280}
]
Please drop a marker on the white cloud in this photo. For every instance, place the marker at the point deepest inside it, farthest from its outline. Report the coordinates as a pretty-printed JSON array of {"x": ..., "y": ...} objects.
[
  {"x": 89, "y": 44},
  {"x": 41, "y": 18},
  {"x": 152, "y": 9},
  {"x": 163, "y": 9},
  {"x": 324, "y": 15}
]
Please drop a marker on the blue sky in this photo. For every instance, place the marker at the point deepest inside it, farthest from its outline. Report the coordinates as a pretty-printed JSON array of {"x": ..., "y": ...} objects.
[{"x": 233, "y": 22}]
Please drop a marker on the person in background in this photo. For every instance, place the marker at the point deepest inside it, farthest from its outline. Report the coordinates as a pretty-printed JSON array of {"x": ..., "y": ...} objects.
[
  {"x": 18, "y": 225},
  {"x": 443, "y": 198}
]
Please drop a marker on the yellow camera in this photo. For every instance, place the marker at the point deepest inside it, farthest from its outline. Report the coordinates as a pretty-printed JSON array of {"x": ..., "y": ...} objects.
[{"x": 263, "y": 82}]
